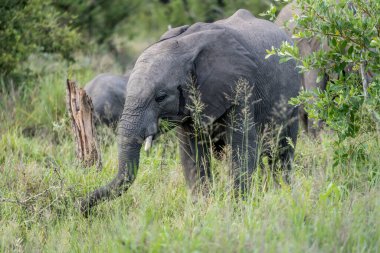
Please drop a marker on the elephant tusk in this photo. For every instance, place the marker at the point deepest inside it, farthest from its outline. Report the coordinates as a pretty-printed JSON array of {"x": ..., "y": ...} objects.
[{"x": 148, "y": 143}]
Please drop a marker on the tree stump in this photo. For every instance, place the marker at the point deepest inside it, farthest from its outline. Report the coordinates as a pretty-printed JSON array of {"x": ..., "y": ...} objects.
[{"x": 81, "y": 112}]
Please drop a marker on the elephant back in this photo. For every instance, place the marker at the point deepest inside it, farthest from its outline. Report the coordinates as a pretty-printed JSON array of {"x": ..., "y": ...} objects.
[{"x": 107, "y": 92}]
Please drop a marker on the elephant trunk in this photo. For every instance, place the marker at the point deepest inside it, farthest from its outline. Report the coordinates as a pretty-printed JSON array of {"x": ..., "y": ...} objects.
[{"x": 129, "y": 146}]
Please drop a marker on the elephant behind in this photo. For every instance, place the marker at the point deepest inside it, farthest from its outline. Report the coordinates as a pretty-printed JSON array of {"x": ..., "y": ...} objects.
[
  {"x": 107, "y": 92},
  {"x": 306, "y": 47},
  {"x": 213, "y": 59}
]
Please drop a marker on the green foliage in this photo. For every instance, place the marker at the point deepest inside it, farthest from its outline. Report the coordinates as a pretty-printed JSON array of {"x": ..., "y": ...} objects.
[
  {"x": 274, "y": 9},
  {"x": 61, "y": 26},
  {"x": 350, "y": 56},
  {"x": 101, "y": 20},
  {"x": 29, "y": 27},
  {"x": 98, "y": 19},
  {"x": 180, "y": 12}
]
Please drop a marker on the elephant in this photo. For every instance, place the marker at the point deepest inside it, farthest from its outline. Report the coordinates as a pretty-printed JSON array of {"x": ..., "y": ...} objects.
[
  {"x": 107, "y": 92},
  {"x": 306, "y": 47},
  {"x": 207, "y": 62}
]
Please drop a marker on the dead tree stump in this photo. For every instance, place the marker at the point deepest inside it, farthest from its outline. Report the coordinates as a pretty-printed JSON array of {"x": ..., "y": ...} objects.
[{"x": 81, "y": 111}]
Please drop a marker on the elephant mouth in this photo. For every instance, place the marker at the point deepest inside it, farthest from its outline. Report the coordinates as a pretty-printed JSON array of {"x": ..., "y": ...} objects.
[
  {"x": 154, "y": 133},
  {"x": 177, "y": 119}
]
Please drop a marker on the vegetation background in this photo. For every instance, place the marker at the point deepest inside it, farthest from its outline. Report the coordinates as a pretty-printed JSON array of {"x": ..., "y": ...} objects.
[{"x": 332, "y": 204}]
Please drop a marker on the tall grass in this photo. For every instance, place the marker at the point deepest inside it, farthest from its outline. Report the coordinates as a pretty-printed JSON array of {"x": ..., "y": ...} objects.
[{"x": 327, "y": 207}]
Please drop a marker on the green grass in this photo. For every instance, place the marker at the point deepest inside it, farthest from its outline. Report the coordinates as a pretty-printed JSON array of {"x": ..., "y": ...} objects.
[{"x": 326, "y": 208}]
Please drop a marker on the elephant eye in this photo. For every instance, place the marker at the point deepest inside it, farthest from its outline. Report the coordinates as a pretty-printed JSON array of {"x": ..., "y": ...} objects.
[{"x": 161, "y": 98}]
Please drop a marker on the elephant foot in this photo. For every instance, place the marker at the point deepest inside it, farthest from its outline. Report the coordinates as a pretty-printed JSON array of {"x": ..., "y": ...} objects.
[
  {"x": 200, "y": 191},
  {"x": 83, "y": 207}
]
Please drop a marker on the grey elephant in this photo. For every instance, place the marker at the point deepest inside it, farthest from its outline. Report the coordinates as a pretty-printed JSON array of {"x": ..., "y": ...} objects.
[
  {"x": 306, "y": 47},
  {"x": 107, "y": 92},
  {"x": 216, "y": 56}
]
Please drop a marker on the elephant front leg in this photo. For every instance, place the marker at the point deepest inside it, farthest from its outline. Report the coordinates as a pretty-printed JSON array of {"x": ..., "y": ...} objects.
[
  {"x": 244, "y": 156},
  {"x": 280, "y": 150},
  {"x": 286, "y": 145},
  {"x": 195, "y": 158}
]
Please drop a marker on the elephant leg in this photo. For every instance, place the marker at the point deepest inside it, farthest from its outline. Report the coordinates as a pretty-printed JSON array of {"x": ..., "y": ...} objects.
[
  {"x": 286, "y": 149},
  {"x": 244, "y": 157},
  {"x": 304, "y": 119},
  {"x": 195, "y": 158},
  {"x": 277, "y": 146},
  {"x": 218, "y": 138}
]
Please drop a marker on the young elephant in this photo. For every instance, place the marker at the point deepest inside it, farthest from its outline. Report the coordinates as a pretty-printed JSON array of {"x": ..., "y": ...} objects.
[
  {"x": 107, "y": 92},
  {"x": 306, "y": 47},
  {"x": 219, "y": 56}
]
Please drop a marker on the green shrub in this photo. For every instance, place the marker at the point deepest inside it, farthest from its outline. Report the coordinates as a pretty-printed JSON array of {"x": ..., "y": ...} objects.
[
  {"x": 98, "y": 19},
  {"x": 351, "y": 102},
  {"x": 29, "y": 27}
]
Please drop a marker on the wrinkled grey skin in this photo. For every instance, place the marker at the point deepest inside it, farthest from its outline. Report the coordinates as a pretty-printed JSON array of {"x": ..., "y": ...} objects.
[
  {"x": 306, "y": 47},
  {"x": 107, "y": 92},
  {"x": 216, "y": 55}
]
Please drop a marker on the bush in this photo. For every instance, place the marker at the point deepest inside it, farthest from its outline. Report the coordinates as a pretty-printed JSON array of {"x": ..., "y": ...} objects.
[
  {"x": 98, "y": 19},
  {"x": 351, "y": 31},
  {"x": 29, "y": 27}
]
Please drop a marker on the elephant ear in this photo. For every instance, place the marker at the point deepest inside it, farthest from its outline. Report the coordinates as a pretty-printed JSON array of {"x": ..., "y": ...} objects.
[
  {"x": 174, "y": 32},
  {"x": 219, "y": 61}
]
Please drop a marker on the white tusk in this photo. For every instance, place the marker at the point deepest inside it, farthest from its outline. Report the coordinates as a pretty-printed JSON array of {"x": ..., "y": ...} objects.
[{"x": 148, "y": 143}]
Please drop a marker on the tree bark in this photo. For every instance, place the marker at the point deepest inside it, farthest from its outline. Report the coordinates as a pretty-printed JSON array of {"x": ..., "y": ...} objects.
[{"x": 81, "y": 112}]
